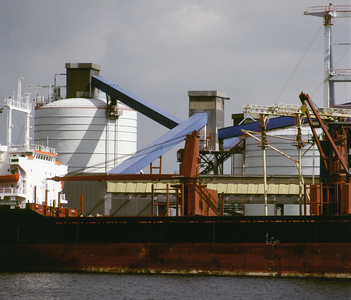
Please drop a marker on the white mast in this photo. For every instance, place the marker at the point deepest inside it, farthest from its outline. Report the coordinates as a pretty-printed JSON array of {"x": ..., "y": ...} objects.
[
  {"x": 328, "y": 13},
  {"x": 9, "y": 125},
  {"x": 27, "y": 125},
  {"x": 19, "y": 88},
  {"x": 18, "y": 105}
]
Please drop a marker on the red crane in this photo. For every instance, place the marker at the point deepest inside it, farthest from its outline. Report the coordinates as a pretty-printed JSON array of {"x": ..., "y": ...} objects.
[{"x": 333, "y": 195}]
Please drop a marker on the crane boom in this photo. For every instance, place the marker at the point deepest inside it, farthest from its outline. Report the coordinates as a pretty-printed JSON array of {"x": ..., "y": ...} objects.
[{"x": 305, "y": 100}]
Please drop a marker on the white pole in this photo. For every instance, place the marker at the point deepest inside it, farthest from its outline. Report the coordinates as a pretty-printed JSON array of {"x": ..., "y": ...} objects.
[
  {"x": 27, "y": 125},
  {"x": 264, "y": 143},
  {"x": 9, "y": 125},
  {"x": 327, "y": 96},
  {"x": 265, "y": 181}
]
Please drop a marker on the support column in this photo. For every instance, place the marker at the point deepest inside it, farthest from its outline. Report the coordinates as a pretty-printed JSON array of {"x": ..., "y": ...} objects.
[
  {"x": 167, "y": 208},
  {"x": 299, "y": 147},
  {"x": 328, "y": 97},
  {"x": 152, "y": 200},
  {"x": 264, "y": 144},
  {"x": 81, "y": 204}
]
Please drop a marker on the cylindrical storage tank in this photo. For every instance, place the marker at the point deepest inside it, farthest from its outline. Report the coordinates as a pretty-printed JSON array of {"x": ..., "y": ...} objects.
[
  {"x": 276, "y": 163},
  {"x": 237, "y": 164},
  {"x": 86, "y": 138}
]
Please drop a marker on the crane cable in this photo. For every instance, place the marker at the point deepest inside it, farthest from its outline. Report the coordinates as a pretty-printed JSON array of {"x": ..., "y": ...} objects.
[
  {"x": 297, "y": 66},
  {"x": 294, "y": 71}
]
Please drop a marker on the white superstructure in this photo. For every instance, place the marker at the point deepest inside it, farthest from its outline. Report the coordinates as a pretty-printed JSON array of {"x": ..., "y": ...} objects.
[{"x": 24, "y": 169}]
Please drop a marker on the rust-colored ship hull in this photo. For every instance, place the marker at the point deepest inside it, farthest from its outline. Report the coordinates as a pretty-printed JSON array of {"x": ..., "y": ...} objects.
[
  {"x": 288, "y": 259},
  {"x": 274, "y": 246}
]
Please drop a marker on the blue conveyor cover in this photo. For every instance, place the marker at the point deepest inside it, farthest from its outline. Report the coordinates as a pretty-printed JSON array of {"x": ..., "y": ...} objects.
[
  {"x": 274, "y": 123},
  {"x": 144, "y": 157}
]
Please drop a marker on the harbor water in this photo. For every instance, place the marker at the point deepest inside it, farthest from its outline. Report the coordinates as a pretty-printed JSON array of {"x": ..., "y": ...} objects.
[{"x": 126, "y": 286}]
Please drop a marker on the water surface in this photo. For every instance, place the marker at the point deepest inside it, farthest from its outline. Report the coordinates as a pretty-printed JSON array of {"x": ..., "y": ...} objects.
[{"x": 125, "y": 286}]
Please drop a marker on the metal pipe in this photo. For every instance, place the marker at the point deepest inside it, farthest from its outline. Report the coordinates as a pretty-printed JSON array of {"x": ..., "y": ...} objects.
[
  {"x": 265, "y": 181},
  {"x": 305, "y": 198},
  {"x": 313, "y": 164},
  {"x": 222, "y": 204},
  {"x": 107, "y": 145},
  {"x": 27, "y": 122},
  {"x": 46, "y": 202},
  {"x": 328, "y": 97},
  {"x": 299, "y": 146},
  {"x": 81, "y": 204},
  {"x": 264, "y": 142},
  {"x": 9, "y": 126},
  {"x": 59, "y": 204},
  {"x": 152, "y": 200},
  {"x": 55, "y": 76},
  {"x": 321, "y": 199},
  {"x": 177, "y": 202},
  {"x": 167, "y": 200},
  {"x": 337, "y": 198},
  {"x": 35, "y": 197},
  {"x": 182, "y": 214}
]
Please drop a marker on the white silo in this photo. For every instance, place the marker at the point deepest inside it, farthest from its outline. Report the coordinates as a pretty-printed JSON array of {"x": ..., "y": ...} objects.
[
  {"x": 90, "y": 134},
  {"x": 277, "y": 164},
  {"x": 86, "y": 139}
]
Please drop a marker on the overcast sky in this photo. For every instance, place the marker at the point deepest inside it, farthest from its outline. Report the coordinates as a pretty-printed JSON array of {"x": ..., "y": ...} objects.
[{"x": 159, "y": 50}]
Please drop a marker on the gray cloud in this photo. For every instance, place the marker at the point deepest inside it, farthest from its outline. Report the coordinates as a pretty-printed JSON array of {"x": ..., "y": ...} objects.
[{"x": 159, "y": 50}]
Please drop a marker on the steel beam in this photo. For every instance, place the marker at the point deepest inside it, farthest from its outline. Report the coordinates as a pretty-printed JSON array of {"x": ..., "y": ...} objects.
[{"x": 135, "y": 102}]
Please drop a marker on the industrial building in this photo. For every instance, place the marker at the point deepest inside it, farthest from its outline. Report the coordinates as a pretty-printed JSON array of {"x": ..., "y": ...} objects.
[
  {"x": 268, "y": 164},
  {"x": 93, "y": 134}
]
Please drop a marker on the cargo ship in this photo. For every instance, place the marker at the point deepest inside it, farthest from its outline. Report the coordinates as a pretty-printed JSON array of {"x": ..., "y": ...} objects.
[
  {"x": 198, "y": 241},
  {"x": 199, "y": 238},
  {"x": 266, "y": 246}
]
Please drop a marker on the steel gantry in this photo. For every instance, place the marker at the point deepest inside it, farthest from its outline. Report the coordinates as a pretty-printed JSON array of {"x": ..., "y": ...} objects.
[
  {"x": 278, "y": 110},
  {"x": 298, "y": 112},
  {"x": 293, "y": 109}
]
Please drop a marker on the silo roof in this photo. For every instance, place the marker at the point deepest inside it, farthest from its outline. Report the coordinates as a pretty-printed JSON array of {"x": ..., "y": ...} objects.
[{"x": 77, "y": 103}]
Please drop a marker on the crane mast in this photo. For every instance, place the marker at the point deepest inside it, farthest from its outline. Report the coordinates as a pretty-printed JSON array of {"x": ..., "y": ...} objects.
[{"x": 333, "y": 195}]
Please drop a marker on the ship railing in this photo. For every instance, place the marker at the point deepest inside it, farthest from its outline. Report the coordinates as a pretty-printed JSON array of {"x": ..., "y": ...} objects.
[
  {"x": 7, "y": 190},
  {"x": 341, "y": 72},
  {"x": 43, "y": 148},
  {"x": 47, "y": 210},
  {"x": 328, "y": 8},
  {"x": 12, "y": 190},
  {"x": 31, "y": 148},
  {"x": 19, "y": 104},
  {"x": 18, "y": 148}
]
